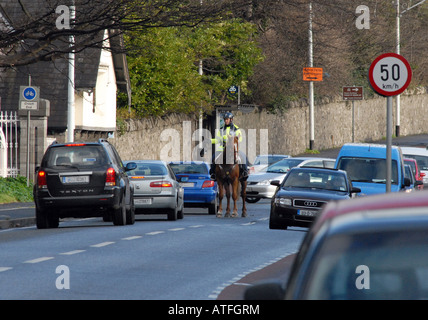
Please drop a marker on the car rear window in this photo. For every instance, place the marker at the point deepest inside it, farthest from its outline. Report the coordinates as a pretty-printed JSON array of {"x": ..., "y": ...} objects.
[
  {"x": 149, "y": 169},
  {"x": 75, "y": 156},
  {"x": 396, "y": 266},
  {"x": 189, "y": 168}
]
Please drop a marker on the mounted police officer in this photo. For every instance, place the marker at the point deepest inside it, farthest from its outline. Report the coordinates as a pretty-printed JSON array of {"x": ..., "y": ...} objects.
[{"x": 227, "y": 129}]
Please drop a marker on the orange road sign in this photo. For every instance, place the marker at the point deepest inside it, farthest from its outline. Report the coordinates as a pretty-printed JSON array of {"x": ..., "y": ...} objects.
[{"x": 312, "y": 74}]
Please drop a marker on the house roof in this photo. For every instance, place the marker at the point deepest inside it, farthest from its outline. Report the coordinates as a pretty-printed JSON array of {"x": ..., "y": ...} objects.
[{"x": 52, "y": 76}]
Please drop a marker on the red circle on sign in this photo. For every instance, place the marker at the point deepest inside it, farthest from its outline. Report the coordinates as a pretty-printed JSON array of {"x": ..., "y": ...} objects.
[{"x": 374, "y": 81}]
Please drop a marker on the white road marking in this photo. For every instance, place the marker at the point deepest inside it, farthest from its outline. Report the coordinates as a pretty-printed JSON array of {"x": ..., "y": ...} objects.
[
  {"x": 69, "y": 253},
  {"x": 154, "y": 233},
  {"x": 176, "y": 229},
  {"x": 132, "y": 238},
  {"x": 4, "y": 269},
  {"x": 102, "y": 244},
  {"x": 37, "y": 260}
]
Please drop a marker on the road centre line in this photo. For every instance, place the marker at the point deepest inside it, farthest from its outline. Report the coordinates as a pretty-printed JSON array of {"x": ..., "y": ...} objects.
[
  {"x": 176, "y": 229},
  {"x": 102, "y": 244},
  {"x": 37, "y": 260},
  {"x": 4, "y": 269},
  {"x": 69, "y": 253},
  {"x": 154, "y": 233},
  {"x": 132, "y": 238}
]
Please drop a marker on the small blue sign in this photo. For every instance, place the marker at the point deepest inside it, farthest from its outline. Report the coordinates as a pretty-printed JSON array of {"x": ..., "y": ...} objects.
[
  {"x": 233, "y": 90},
  {"x": 29, "y": 93}
]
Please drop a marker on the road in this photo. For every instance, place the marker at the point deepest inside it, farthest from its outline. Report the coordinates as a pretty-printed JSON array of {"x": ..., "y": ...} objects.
[{"x": 190, "y": 259}]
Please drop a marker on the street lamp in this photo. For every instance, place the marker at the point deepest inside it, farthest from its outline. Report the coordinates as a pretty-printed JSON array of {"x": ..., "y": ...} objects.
[{"x": 398, "y": 100}]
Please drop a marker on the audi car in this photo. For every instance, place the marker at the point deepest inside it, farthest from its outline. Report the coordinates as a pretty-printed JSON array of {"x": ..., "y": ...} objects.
[{"x": 298, "y": 200}]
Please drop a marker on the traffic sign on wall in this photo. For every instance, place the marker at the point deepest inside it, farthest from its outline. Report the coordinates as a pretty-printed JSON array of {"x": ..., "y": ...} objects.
[{"x": 29, "y": 98}]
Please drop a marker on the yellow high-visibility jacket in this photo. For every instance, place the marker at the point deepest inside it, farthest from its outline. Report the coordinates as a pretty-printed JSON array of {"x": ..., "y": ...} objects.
[{"x": 221, "y": 136}]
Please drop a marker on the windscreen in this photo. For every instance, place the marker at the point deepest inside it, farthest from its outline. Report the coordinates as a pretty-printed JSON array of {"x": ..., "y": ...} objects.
[{"x": 371, "y": 170}]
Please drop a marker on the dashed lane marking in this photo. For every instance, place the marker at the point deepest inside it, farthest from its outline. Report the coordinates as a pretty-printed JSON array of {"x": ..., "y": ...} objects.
[
  {"x": 2, "y": 269},
  {"x": 102, "y": 244},
  {"x": 37, "y": 260},
  {"x": 69, "y": 253},
  {"x": 154, "y": 233},
  {"x": 132, "y": 238}
]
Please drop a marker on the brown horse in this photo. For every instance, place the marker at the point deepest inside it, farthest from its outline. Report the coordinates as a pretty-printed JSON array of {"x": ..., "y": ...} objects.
[{"x": 227, "y": 176}]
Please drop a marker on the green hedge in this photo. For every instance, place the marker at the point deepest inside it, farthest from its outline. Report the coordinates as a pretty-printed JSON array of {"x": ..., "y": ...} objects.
[{"x": 15, "y": 190}]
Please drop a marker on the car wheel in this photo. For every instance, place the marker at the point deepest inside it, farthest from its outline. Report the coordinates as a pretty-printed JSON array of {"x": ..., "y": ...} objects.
[
  {"x": 252, "y": 199},
  {"x": 172, "y": 214},
  {"x": 180, "y": 213},
  {"x": 119, "y": 215},
  {"x": 130, "y": 214},
  {"x": 213, "y": 207},
  {"x": 45, "y": 219}
]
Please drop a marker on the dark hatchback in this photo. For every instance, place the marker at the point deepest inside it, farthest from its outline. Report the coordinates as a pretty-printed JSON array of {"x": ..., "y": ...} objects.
[
  {"x": 304, "y": 192},
  {"x": 83, "y": 180}
]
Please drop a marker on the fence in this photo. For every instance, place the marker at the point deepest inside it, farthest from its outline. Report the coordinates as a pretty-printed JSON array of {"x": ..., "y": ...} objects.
[{"x": 9, "y": 144}]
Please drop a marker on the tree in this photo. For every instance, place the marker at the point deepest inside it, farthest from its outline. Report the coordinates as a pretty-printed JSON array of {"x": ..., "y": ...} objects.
[
  {"x": 38, "y": 30},
  {"x": 164, "y": 63}
]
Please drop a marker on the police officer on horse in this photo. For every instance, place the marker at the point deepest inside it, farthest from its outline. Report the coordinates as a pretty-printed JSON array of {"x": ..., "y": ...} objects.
[{"x": 221, "y": 137}]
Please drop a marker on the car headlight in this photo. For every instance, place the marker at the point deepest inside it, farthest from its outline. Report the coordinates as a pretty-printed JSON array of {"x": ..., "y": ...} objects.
[
  {"x": 283, "y": 201},
  {"x": 264, "y": 183}
]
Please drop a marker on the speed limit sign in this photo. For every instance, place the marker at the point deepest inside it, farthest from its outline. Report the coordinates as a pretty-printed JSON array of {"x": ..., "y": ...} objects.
[{"x": 390, "y": 74}]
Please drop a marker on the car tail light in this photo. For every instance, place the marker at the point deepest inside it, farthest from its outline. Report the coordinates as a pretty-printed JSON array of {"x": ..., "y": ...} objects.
[
  {"x": 41, "y": 179},
  {"x": 110, "y": 177},
  {"x": 252, "y": 170},
  {"x": 75, "y": 144},
  {"x": 208, "y": 184},
  {"x": 160, "y": 184}
]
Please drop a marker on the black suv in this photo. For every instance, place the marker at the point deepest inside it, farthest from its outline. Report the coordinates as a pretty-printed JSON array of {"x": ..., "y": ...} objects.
[{"x": 83, "y": 180}]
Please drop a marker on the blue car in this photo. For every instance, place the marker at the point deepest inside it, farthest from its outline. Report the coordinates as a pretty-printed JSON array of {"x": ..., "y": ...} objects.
[{"x": 199, "y": 190}]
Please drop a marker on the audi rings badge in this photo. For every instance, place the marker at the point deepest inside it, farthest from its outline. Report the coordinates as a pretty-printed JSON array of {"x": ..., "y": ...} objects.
[{"x": 310, "y": 203}]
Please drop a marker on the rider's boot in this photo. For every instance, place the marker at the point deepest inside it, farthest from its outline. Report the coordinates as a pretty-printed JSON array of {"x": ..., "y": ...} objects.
[
  {"x": 244, "y": 172},
  {"x": 212, "y": 173}
]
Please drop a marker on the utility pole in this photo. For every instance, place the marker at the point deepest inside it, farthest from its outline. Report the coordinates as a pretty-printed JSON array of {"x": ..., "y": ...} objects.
[
  {"x": 311, "y": 84},
  {"x": 398, "y": 40},
  {"x": 70, "y": 103}
]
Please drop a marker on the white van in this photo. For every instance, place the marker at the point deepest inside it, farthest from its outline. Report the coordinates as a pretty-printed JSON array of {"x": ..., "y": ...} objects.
[{"x": 421, "y": 157}]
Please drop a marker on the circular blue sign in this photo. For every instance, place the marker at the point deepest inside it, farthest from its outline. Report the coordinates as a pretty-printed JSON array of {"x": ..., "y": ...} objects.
[
  {"x": 233, "y": 90},
  {"x": 29, "y": 93}
]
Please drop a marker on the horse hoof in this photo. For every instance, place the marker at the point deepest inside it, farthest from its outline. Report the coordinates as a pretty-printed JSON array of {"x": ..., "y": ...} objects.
[
  {"x": 235, "y": 214},
  {"x": 219, "y": 214},
  {"x": 227, "y": 215},
  {"x": 244, "y": 214}
]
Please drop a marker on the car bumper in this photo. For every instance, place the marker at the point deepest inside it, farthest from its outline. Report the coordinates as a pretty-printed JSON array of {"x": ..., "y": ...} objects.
[
  {"x": 281, "y": 217},
  {"x": 109, "y": 199},
  {"x": 257, "y": 191},
  {"x": 155, "y": 201},
  {"x": 199, "y": 198}
]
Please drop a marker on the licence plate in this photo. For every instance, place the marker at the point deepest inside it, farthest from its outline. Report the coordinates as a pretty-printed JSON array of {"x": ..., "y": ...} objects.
[
  {"x": 307, "y": 213},
  {"x": 75, "y": 179},
  {"x": 143, "y": 201},
  {"x": 187, "y": 184}
]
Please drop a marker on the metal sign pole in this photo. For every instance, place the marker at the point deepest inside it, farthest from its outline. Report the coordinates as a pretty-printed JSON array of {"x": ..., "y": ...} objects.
[{"x": 388, "y": 143}]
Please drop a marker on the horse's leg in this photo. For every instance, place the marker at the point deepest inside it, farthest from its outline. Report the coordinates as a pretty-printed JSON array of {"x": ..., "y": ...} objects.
[
  {"x": 244, "y": 195},
  {"x": 220, "y": 198},
  {"x": 227, "y": 187},
  {"x": 235, "y": 187}
]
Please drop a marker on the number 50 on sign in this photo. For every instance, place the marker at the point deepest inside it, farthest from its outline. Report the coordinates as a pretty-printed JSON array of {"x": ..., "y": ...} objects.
[{"x": 390, "y": 74}]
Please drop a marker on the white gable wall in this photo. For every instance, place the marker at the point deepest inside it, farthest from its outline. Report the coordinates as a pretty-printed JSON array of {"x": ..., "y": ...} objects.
[{"x": 97, "y": 110}]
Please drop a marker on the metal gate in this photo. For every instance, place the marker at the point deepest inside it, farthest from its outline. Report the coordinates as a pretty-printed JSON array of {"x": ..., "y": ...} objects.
[{"x": 9, "y": 144}]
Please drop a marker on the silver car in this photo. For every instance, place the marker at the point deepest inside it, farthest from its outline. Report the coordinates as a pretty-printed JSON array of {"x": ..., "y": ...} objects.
[
  {"x": 258, "y": 184},
  {"x": 156, "y": 189}
]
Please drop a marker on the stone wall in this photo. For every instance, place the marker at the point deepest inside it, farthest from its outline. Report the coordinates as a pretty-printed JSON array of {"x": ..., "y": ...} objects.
[{"x": 288, "y": 131}]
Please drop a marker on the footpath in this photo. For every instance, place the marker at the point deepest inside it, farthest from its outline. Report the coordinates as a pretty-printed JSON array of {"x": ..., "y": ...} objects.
[{"x": 17, "y": 214}]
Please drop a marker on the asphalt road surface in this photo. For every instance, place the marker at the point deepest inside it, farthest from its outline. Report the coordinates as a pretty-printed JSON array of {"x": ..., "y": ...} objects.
[{"x": 195, "y": 258}]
